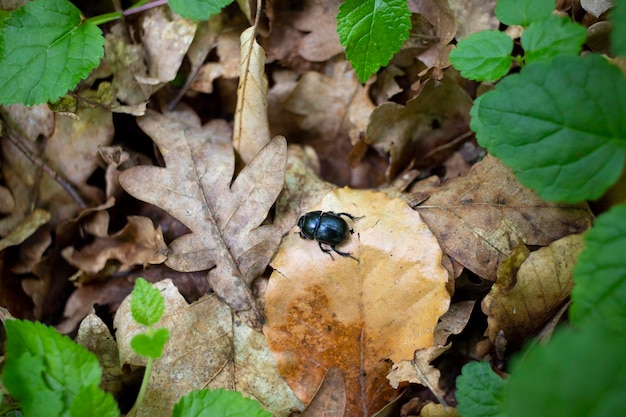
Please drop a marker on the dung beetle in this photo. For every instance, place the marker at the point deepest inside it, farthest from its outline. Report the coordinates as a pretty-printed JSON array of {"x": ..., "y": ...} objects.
[{"x": 328, "y": 228}]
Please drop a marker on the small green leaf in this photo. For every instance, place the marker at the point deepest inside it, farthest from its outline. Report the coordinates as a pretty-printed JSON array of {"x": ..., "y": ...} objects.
[
  {"x": 198, "y": 9},
  {"x": 219, "y": 402},
  {"x": 483, "y": 56},
  {"x": 516, "y": 12},
  {"x": 45, "y": 50},
  {"x": 618, "y": 34},
  {"x": 372, "y": 32},
  {"x": 554, "y": 36},
  {"x": 150, "y": 345},
  {"x": 479, "y": 391},
  {"x": 577, "y": 374},
  {"x": 600, "y": 273},
  {"x": 92, "y": 401},
  {"x": 558, "y": 125},
  {"x": 146, "y": 303}
]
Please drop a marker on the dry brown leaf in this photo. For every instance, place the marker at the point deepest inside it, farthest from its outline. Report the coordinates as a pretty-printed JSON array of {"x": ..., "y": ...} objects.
[
  {"x": 543, "y": 283},
  {"x": 440, "y": 15},
  {"x": 318, "y": 19},
  {"x": 473, "y": 16},
  {"x": 25, "y": 229},
  {"x": 330, "y": 398},
  {"x": 251, "y": 127},
  {"x": 208, "y": 348},
  {"x": 166, "y": 38},
  {"x": 329, "y": 111},
  {"x": 225, "y": 219},
  {"x": 356, "y": 315},
  {"x": 138, "y": 243},
  {"x": 436, "y": 116},
  {"x": 94, "y": 334},
  {"x": 479, "y": 218}
]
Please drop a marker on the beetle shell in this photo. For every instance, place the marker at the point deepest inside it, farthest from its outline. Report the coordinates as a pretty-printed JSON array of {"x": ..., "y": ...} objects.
[{"x": 327, "y": 228}]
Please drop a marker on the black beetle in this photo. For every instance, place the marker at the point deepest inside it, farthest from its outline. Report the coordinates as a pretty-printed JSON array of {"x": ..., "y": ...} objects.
[{"x": 327, "y": 228}]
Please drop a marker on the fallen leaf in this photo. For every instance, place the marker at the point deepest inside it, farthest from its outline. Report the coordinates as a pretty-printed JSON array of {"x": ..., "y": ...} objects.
[
  {"x": 25, "y": 229},
  {"x": 330, "y": 398},
  {"x": 251, "y": 127},
  {"x": 476, "y": 218},
  {"x": 356, "y": 314},
  {"x": 225, "y": 219},
  {"x": 542, "y": 284},
  {"x": 210, "y": 348},
  {"x": 138, "y": 243}
]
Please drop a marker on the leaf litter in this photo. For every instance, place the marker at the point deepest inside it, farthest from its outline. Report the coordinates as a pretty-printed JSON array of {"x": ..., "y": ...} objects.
[{"x": 346, "y": 335}]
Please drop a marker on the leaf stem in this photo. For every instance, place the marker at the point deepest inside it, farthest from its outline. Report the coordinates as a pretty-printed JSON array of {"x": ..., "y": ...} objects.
[{"x": 142, "y": 390}]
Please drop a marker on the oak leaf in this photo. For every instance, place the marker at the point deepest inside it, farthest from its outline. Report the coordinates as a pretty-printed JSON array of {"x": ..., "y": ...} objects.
[{"x": 225, "y": 219}]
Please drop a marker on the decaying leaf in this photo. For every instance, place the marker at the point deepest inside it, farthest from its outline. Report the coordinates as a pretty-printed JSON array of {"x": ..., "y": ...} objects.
[
  {"x": 225, "y": 219},
  {"x": 251, "y": 131},
  {"x": 208, "y": 348},
  {"x": 25, "y": 229},
  {"x": 138, "y": 243},
  {"x": 542, "y": 284},
  {"x": 330, "y": 398},
  {"x": 356, "y": 314},
  {"x": 480, "y": 217}
]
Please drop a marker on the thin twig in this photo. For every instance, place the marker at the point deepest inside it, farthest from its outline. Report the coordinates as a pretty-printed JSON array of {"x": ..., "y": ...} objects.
[{"x": 20, "y": 143}]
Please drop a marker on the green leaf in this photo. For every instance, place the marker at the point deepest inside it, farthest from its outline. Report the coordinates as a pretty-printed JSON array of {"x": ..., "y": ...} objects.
[
  {"x": 219, "y": 402},
  {"x": 558, "y": 125},
  {"x": 372, "y": 32},
  {"x": 618, "y": 34},
  {"x": 198, "y": 9},
  {"x": 146, "y": 303},
  {"x": 45, "y": 50},
  {"x": 150, "y": 345},
  {"x": 516, "y": 12},
  {"x": 600, "y": 273},
  {"x": 42, "y": 364},
  {"x": 577, "y": 374},
  {"x": 24, "y": 378},
  {"x": 483, "y": 56},
  {"x": 554, "y": 36},
  {"x": 479, "y": 391},
  {"x": 92, "y": 401}
]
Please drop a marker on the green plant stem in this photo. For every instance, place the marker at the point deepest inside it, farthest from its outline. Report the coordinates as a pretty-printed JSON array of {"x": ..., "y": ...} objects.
[
  {"x": 138, "y": 7},
  {"x": 142, "y": 390},
  {"x": 104, "y": 18}
]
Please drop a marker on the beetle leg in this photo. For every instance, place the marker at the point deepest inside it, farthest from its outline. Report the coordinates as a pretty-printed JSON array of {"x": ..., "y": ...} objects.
[
  {"x": 326, "y": 250},
  {"x": 344, "y": 254}
]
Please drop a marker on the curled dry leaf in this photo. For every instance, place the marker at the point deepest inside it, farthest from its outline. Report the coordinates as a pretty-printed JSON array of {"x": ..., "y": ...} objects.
[
  {"x": 224, "y": 219},
  {"x": 479, "y": 217},
  {"x": 356, "y": 314},
  {"x": 208, "y": 348},
  {"x": 138, "y": 243},
  {"x": 251, "y": 131},
  {"x": 542, "y": 284}
]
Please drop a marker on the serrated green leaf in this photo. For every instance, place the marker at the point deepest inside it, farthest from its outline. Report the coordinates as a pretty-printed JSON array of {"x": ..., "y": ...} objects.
[
  {"x": 516, "y": 12},
  {"x": 198, "y": 9},
  {"x": 67, "y": 366},
  {"x": 577, "y": 374},
  {"x": 483, "y": 56},
  {"x": 219, "y": 402},
  {"x": 372, "y": 32},
  {"x": 150, "y": 345},
  {"x": 24, "y": 378},
  {"x": 92, "y": 401},
  {"x": 479, "y": 391},
  {"x": 600, "y": 273},
  {"x": 45, "y": 50},
  {"x": 146, "y": 303},
  {"x": 618, "y": 34},
  {"x": 554, "y": 36},
  {"x": 559, "y": 125}
]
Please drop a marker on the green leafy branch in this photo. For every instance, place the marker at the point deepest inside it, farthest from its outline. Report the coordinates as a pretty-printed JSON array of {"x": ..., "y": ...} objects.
[
  {"x": 47, "y": 46},
  {"x": 558, "y": 124},
  {"x": 49, "y": 375}
]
